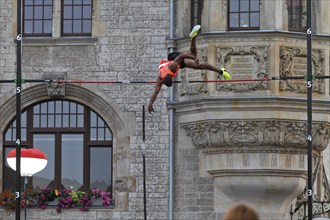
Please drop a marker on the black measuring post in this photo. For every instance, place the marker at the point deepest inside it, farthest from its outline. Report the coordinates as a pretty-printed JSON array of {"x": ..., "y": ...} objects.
[
  {"x": 18, "y": 110},
  {"x": 309, "y": 112},
  {"x": 144, "y": 164}
]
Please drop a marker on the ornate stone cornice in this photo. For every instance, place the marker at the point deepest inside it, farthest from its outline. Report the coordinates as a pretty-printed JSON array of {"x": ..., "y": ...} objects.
[{"x": 257, "y": 136}]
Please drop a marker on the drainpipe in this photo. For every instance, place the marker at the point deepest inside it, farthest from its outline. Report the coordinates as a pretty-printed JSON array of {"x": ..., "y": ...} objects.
[{"x": 171, "y": 120}]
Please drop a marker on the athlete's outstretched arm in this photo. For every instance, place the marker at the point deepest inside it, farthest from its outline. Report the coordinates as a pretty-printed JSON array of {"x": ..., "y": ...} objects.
[{"x": 157, "y": 89}]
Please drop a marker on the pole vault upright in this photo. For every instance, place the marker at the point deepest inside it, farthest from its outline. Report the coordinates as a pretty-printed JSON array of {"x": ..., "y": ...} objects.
[
  {"x": 309, "y": 112},
  {"x": 18, "y": 110}
]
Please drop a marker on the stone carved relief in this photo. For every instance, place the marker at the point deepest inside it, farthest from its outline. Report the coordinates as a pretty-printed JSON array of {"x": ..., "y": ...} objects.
[
  {"x": 293, "y": 62},
  {"x": 55, "y": 89},
  {"x": 244, "y": 62},
  {"x": 125, "y": 184},
  {"x": 194, "y": 75},
  {"x": 257, "y": 136}
]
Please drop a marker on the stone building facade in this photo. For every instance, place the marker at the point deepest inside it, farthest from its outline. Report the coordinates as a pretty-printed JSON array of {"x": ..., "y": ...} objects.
[{"x": 232, "y": 142}]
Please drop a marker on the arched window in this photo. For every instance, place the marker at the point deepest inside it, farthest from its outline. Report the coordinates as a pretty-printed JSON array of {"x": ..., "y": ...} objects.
[{"x": 76, "y": 140}]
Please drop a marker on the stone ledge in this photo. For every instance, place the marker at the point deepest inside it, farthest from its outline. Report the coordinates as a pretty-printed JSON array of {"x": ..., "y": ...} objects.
[{"x": 60, "y": 41}]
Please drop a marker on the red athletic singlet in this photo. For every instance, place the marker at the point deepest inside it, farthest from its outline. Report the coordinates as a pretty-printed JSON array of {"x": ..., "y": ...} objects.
[{"x": 163, "y": 69}]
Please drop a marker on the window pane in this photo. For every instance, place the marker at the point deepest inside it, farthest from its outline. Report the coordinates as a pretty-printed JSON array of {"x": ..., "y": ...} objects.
[
  {"x": 48, "y": 2},
  {"x": 108, "y": 136},
  {"x": 77, "y": 2},
  {"x": 36, "y": 122},
  {"x": 73, "y": 107},
  {"x": 48, "y": 13},
  {"x": 295, "y": 21},
  {"x": 23, "y": 134},
  {"x": 67, "y": 12},
  {"x": 43, "y": 108},
  {"x": 65, "y": 121},
  {"x": 87, "y": 12},
  {"x": 38, "y": 2},
  {"x": 80, "y": 121},
  {"x": 77, "y": 12},
  {"x": 45, "y": 143},
  {"x": 51, "y": 107},
  {"x": 87, "y": 26},
  {"x": 28, "y": 13},
  {"x": 254, "y": 19},
  {"x": 23, "y": 119},
  {"x": 244, "y": 5},
  {"x": 51, "y": 121},
  {"x": 43, "y": 121},
  {"x": 28, "y": 27},
  {"x": 8, "y": 136},
  {"x": 303, "y": 23},
  {"x": 58, "y": 121},
  {"x": 72, "y": 161},
  {"x": 93, "y": 119},
  {"x": 48, "y": 27},
  {"x": 36, "y": 109},
  {"x": 93, "y": 134},
  {"x": 254, "y": 4},
  {"x": 100, "y": 134},
  {"x": 37, "y": 27},
  {"x": 77, "y": 26},
  {"x": 65, "y": 107},
  {"x": 244, "y": 20},
  {"x": 234, "y": 20},
  {"x": 67, "y": 26},
  {"x": 101, "y": 168},
  {"x": 80, "y": 109},
  {"x": 58, "y": 105},
  {"x": 100, "y": 122},
  {"x": 28, "y": 2},
  {"x": 234, "y": 5},
  {"x": 9, "y": 175},
  {"x": 73, "y": 121},
  {"x": 38, "y": 12},
  {"x": 67, "y": 2}
]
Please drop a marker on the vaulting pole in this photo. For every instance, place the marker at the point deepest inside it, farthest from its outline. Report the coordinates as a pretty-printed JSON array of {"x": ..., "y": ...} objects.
[
  {"x": 18, "y": 110},
  {"x": 309, "y": 111},
  {"x": 144, "y": 164}
]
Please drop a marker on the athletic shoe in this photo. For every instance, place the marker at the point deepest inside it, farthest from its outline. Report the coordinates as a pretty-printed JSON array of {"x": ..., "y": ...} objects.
[
  {"x": 194, "y": 31},
  {"x": 225, "y": 74}
]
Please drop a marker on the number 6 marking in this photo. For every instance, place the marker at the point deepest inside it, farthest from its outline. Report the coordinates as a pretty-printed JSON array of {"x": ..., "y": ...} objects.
[{"x": 309, "y": 31}]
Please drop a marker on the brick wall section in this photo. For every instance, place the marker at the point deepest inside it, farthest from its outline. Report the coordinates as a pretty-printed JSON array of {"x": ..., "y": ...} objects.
[
  {"x": 7, "y": 48},
  {"x": 194, "y": 195}
]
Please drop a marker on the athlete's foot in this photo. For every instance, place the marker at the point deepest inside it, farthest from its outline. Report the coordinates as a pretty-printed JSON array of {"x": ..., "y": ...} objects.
[
  {"x": 225, "y": 74},
  {"x": 194, "y": 31}
]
